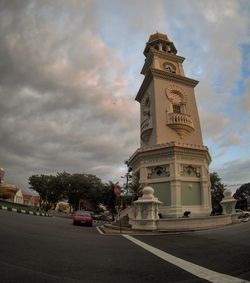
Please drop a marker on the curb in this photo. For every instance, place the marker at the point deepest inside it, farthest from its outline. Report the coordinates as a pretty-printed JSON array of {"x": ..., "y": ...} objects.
[
  {"x": 18, "y": 210},
  {"x": 114, "y": 230}
]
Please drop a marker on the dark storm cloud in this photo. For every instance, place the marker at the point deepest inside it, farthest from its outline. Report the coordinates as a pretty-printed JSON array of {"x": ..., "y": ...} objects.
[{"x": 60, "y": 92}]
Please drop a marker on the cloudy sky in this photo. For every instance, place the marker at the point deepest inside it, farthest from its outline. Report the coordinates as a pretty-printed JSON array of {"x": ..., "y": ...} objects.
[{"x": 70, "y": 70}]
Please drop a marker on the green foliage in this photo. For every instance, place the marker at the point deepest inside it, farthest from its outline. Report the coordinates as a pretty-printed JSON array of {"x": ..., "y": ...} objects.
[
  {"x": 46, "y": 186},
  {"x": 217, "y": 189},
  {"x": 243, "y": 192},
  {"x": 135, "y": 190},
  {"x": 67, "y": 186},
  {"x": 84, "y": 186},
  {"x": 109, "y": 198},
  {"x": 132, "y": 187}
]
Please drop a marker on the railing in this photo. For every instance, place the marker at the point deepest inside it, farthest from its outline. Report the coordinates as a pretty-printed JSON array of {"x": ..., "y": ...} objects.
[
  {"x": 179, "y": 118},
  {"x": 180, "y": 122}
]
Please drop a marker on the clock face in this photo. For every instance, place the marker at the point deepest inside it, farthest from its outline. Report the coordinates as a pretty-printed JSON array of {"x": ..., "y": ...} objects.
[{"x": 169, "y": 67}]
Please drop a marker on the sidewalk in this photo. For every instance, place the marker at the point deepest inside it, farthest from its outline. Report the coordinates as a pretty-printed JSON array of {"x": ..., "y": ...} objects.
[
  {"x": 110, "y": 229},
  {"x": 18, "y": 210}
]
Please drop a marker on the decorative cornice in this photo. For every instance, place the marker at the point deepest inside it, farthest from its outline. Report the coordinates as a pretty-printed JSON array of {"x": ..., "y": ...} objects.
[
  {"x": 168, "y": 56},
  {"x": 152, "y": 72},
  {"x": 170, "y": 149},
  {"x": 173, "y": 77}
]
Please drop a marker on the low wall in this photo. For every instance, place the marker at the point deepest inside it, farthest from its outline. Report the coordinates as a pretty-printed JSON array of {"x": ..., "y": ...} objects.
[{"x": 189, "y": 224}]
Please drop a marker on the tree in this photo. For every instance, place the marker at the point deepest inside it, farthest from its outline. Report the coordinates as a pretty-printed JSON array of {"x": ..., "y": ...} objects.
[
  {"x": 217, "y": 189},
  {"x": 109, "y": 198},
  {"x": 243, "y": 192},
  {"x": 133, "y": 187},
  {"x": 135, "y": 190},
  {"x": 68, "y": 186},
  {"x": 48, "y": 189},
  {"x": 84, "y": 186}
]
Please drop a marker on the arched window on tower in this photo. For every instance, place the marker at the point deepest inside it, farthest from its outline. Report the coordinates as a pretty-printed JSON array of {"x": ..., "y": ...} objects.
[{"x": 177, "y": 103}]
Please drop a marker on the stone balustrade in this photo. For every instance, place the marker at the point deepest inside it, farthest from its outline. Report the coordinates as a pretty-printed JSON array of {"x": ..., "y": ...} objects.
[
  {"x": 180, "y": 118},
  {"x": 182, "y": 123}
]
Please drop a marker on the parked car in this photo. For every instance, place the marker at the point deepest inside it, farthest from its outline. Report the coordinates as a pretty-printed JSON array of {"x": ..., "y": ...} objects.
[{"x": 82, "y": 217}]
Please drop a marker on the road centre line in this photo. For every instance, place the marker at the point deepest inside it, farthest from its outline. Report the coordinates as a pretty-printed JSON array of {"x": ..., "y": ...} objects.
[{"x": 192, "y": 268}]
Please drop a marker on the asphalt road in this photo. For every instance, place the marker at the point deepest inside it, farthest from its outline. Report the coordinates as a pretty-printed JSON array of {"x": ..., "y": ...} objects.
[
  {"x": 225, "y": 250},
  {"x": 40, "y": 249}
]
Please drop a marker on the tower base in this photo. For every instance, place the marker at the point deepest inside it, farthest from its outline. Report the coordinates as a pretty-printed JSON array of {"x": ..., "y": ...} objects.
[{"x": 179, "y": 175}]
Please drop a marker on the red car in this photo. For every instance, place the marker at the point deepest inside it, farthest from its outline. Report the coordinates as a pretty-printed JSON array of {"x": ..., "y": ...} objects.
[{"x": 82, "y": 217}]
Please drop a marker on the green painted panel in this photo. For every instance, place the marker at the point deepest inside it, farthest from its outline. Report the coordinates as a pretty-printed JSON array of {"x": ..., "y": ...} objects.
[
  {"x": 162, "y": 192},
  {"x": 190, "y": 193}
]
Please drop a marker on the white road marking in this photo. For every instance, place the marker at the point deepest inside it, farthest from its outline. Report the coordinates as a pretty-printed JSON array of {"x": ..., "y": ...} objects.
[
  {"x": 192, "y": 268},
  {"x": 99, "y": 230}
]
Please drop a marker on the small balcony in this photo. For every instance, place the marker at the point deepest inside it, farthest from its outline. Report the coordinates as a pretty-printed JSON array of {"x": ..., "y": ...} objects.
[
  {"x": 146, "y": 124},
  {"x": 181, "y": 123}
]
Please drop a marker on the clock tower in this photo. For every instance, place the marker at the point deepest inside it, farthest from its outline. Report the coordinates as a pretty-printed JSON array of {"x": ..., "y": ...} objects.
[{"x": 172, "y": 158}]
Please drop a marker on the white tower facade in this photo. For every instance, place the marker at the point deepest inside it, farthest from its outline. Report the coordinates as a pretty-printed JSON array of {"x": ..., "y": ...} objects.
[{"x": 172, "y": 158}]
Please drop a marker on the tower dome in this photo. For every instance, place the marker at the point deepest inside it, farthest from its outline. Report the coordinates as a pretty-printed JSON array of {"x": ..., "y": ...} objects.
[
  {"x": 160, "y": 42},
  {"x": 7, "y": 191},
  {"x": 157, "y": 36}
]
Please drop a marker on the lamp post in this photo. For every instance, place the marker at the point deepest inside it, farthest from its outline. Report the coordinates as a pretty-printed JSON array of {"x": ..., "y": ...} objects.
[{"x": 117, "y": 192}]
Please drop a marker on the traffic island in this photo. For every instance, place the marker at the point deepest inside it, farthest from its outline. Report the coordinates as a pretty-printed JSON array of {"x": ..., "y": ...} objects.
[
  {"x": 110, "y": 229},
  {"x": 24, "y": 211},
  {"x": 143, "y": 215},
  {"x": 179, "y": 225}
]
